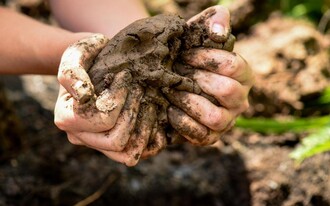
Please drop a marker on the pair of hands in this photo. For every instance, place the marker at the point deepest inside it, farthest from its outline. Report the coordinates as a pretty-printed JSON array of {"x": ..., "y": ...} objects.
[{"x": 220, "y": 74}]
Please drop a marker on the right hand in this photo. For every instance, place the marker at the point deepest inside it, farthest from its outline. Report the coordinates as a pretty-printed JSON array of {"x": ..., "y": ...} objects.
[
  {"x": 105, "y": 122},
  {"x": 222, "y": 75}
]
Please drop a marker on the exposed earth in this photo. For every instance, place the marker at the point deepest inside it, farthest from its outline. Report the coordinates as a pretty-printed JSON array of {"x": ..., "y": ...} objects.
[{"x": 38, "y": 166}]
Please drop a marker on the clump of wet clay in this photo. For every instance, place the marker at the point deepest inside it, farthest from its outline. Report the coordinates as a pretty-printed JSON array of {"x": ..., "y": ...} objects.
[{"x": 148, "y": 49}]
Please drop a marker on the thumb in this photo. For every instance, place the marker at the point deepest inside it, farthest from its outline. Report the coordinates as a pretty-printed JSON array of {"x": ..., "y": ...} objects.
[
  {"x": 75, "y": 62},
  {"x": 216, "y": 19},
  {"x": 219, "y": 24}
]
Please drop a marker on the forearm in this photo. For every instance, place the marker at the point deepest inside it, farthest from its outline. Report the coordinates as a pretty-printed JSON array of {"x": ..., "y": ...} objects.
[
  {"x": 102, "y": 16},
  {"x": 30, "y": 47}
]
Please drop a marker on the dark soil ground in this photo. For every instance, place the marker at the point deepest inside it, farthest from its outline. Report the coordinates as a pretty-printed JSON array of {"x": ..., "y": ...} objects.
[{"x": 38, "y": 166}]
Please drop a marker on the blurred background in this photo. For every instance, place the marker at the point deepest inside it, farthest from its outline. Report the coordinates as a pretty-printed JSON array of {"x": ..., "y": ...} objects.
[{"x": 278, "y": 153}]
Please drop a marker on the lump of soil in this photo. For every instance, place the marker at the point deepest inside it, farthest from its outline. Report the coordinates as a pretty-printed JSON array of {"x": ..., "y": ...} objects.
[{"x": 148, "y": 48}]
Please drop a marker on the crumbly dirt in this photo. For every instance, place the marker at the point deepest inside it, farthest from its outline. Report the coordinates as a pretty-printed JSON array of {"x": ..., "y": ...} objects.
[{"x": 148, "y": 49}]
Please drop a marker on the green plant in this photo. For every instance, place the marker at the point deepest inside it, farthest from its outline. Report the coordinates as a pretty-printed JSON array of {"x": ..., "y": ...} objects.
[
  {"x": 266, "y": 125},
  {"x": 313, "y": 144},
  {"x": 312, "y": 9},
  {"x": 317, "y": 141},
  {"x": 318, "y": 127}
]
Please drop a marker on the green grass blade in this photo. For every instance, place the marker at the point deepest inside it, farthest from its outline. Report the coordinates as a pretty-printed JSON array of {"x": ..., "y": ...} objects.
[
  {"x": 313, "y": 144},
  {"x": 266, "y": 125},
  {"x": 325, "y": 97}
]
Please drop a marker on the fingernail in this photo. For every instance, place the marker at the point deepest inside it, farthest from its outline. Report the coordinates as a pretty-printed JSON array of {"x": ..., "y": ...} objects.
[{"x": 218, "y": 29}]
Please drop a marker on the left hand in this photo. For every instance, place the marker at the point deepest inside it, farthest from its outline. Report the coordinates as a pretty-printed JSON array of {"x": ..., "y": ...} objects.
[
  {"x": 221, "y": 74},
  {"x": 105, "y": 121}
]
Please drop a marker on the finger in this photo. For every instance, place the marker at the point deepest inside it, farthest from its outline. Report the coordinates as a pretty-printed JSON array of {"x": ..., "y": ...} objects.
[
  {"x": 116, "y": 138},
  {"x": 101, "y": 116},
  {"x": 192, "y": 130},
  {"x": 227, "y": 91},
  {"x": 220, "y": 62},
  {"x": 156, "y": 143},
  {"x": 139, "y": 140},
  {"x": 75, "y": 61},
  {"x": 64, "y": 117},
  {"x": 119, "y": 135},
  {"x": 112, "y": 99},
  {"x": 201, "y": 109},
  {"x": 216, "y": 88},
  {"x": 217, "y": 22},
  {"x": 170, "y": 79}
]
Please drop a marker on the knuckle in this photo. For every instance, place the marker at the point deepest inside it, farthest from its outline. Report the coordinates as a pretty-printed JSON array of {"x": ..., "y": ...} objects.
[
  {"x": 154, "y": 150},
  {"x": 118, "y": 146},
  {"x": 132, "y": 160},
  {"x": 230, "y": 88},
  {"x": 209, "y": 141},
  {"x": 60, "y": 123},
  {"x": 73, "y": 140},
  {"x": 64, "y": 74},
  {"x": 215, "y": 120},
  {"x": 109, "y": 123},
  {"x": 205, "y": 141},
  {"x": 61, "y": 74},
  {"x": 252, "y": 79},
  {"x": 245, "y": 105},
  {"x": 104, "y": 120},
  {"x": 239, "y": 63},
  {"x": 197, "y": 141},
  {"x": 212, "y": 138},
  {"x": 231, "y": 65},
  {"x": 148, "y": 153},
  {"x": 235, "y": 64}
]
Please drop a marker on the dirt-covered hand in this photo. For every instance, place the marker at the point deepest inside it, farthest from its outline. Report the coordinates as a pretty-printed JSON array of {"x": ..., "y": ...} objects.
[
  {"x": 224, "y": 77},
  {"x": 143, "y": 94},
  {"x": 103, "y": 121}
]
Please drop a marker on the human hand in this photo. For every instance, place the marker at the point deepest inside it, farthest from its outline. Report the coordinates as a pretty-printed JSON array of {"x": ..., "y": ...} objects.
[
  {"x": 107, "y": 121},
  {"x": 223, "y": 75},
  {"x": 104, "y": 121}
]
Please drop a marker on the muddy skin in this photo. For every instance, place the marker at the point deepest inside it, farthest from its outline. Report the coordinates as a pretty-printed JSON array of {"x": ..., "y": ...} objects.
[
  {"x": 199, "y": 135},
  {"x": 149, "y": 49},
  {"x": 198, "y": 35}
]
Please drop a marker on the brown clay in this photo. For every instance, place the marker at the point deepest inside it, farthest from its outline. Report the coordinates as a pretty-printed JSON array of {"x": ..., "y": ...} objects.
[{"x": 149, "y": 48}]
